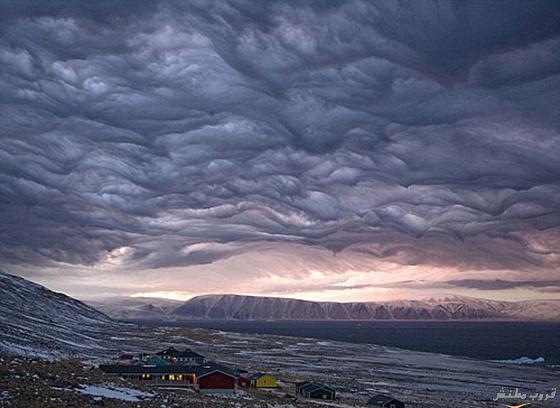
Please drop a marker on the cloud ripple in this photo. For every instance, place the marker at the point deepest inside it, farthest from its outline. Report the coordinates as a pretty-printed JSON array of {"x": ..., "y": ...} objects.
[{"x": 159, "y": 134}]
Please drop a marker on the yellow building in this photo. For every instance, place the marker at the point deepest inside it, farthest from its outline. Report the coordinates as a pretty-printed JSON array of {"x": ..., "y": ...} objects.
[{"x": 263, "y": 380}]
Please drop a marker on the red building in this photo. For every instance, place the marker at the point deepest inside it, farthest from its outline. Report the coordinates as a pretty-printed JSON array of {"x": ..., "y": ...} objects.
[
  {"x": 244, "y": 382},
  {"x": 216, "y": 382}
]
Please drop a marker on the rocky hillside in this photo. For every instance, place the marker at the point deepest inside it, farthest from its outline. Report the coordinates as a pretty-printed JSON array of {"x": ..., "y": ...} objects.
[
  {"x": 441, "y": 308},
  {"x": 38, "y": 322}
]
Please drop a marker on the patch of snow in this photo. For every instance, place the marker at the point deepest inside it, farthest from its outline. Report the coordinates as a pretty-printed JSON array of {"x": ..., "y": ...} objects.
[
  {"x": 521, "y": 361},
  {"x": 4, "y": 396},
  {"x": 120, "y": 393}
]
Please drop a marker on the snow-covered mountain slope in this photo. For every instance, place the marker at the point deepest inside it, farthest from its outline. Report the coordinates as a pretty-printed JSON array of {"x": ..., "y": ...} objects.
[
  {"x": 534, "y": 310},
  {"x": 442, "y": 308},
  {"x": 135, "y": 308},
  {"x": 37, "y": 321}
]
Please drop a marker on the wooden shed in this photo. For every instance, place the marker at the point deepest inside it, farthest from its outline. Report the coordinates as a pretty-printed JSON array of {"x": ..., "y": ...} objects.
[
  {"x": 314, "y": 390},
  {"x": 263, "y": 380}
]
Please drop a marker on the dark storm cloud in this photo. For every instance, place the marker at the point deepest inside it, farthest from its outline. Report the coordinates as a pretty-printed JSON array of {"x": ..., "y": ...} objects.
[
  {"x": 544, "y": 286},
  {"x": 165, "y": 133},
  {"x": 497, "y": 284},
  {"x": 478, "y": 284}
]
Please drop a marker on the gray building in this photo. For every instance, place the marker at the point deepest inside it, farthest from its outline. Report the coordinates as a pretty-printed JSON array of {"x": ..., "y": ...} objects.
[
  {"x": 314, "y": 390},
  {"x": 385, "y": 401},
  {"x": 186, "y": 356}
]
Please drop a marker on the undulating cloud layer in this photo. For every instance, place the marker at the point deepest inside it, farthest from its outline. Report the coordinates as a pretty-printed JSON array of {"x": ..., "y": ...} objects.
[{"x": 357, "y": 143}]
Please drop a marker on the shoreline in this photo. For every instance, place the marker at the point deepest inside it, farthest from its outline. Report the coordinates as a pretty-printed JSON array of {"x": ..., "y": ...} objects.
[
  {"x": 357, "y": 370},
  {"x": 385, "y": 335}
]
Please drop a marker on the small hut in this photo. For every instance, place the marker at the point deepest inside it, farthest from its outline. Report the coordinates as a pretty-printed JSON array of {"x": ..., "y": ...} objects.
[
  {"x": 263, "y": 380},
  {"x": 385, "y": 401},
  {"x": 314, "y": 390}
]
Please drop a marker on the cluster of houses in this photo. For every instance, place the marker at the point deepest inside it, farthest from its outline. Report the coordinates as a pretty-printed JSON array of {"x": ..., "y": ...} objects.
[{"x": 186, "y": 368}]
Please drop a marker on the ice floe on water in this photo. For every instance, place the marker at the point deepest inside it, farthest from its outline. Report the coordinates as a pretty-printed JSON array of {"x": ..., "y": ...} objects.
[{"x": 522, "y": 360}]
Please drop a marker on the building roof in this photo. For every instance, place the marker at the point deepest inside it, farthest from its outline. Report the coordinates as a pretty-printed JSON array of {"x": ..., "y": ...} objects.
[
  {"x": 258, "y": 375},
  {"x": 147, "y": 369},
  {"x": 173, "y": 352},
  {"x": 308, "y": 386},
  {"x": 198, "y": 370},
  {"x": 318, "y": 387},
  {"x": 157, "y": 361},
  {"x": 313, "y": 386},
  {"x": 381, "y": 399},
  {"x": 302, "y": 383},
  {"x": 210, "y": 368}
]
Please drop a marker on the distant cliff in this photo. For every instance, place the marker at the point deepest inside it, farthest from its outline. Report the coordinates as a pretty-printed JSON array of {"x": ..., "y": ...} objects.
[{"x": 450, "y": 307}]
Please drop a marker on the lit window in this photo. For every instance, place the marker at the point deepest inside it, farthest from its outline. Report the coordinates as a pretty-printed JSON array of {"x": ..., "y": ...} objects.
[{"x": 171, "y": 377}]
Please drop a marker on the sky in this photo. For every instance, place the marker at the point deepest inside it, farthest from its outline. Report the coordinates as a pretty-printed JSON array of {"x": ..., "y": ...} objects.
[{"x": 340, "y": 150}]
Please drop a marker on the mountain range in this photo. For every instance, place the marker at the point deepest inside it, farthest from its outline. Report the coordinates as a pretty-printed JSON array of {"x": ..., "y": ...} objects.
[
  {"x": 135, "y": 308},
  {"x": 238, "y": 307},
  {"x": 37, "y": 321}
]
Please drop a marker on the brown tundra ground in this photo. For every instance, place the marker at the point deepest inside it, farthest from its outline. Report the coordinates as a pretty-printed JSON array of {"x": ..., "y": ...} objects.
[{"x": 357, "y": 371}]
